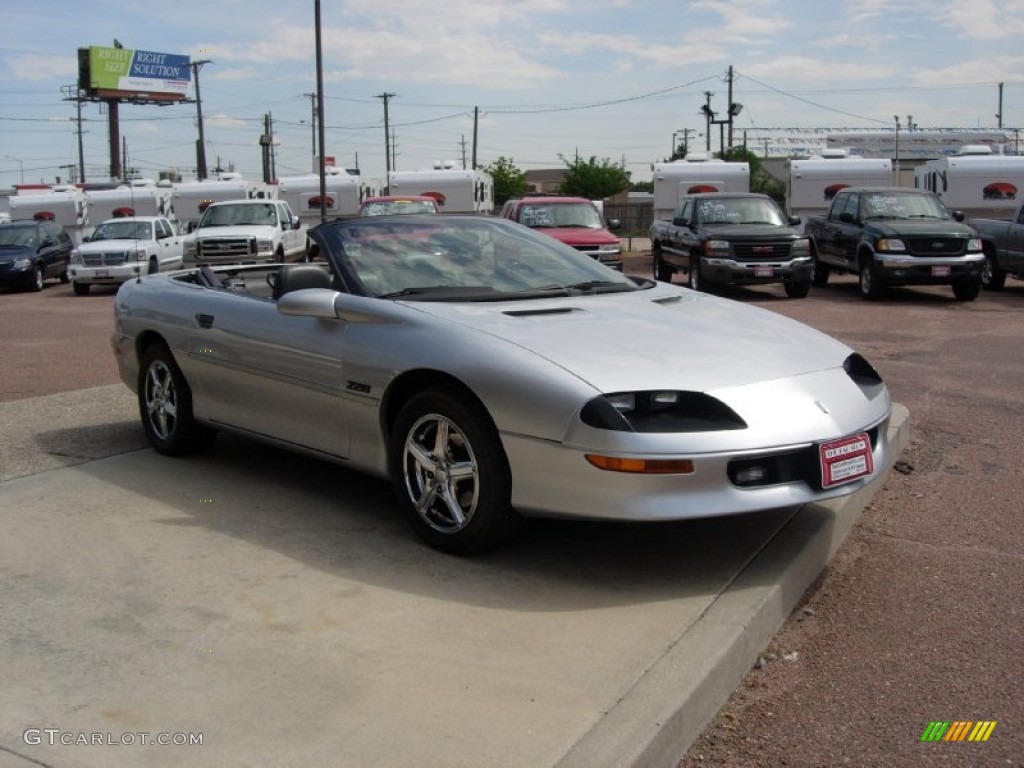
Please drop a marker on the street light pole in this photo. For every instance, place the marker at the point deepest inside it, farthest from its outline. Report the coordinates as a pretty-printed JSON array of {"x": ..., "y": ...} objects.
[{"x": 896, "y": 153}]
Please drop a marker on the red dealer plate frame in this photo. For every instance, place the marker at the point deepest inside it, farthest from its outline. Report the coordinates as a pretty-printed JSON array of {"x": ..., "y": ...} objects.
[
  {"x": 941, "y": 271},
  {"x": 845, "y": 460},
  {"x": 760, "y": 271}
]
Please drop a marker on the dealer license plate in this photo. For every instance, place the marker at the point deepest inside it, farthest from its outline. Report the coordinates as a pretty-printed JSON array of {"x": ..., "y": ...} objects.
[
  {"x": 940, "y": 271},
  {"x": 845, "y": 460},
  {"x": 764, "y": 272},
  {"x": 102, "y": 273}
]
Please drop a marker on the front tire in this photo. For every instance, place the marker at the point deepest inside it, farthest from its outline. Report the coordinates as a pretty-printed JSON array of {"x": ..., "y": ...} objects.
[
  {"x": 37, "y": 279},
  {"x": 819, "y": 273},
  {"x": 165, "y": 406},
  {"x": 451, "y": 473},
  {"x": 797, "y": 289},
  {"x": 80, "y": 289},
  {"x": 871, "y": 287},
  {"x": 64, "y": 277},
  {"x": 695, "y": 277},
  {"x": 966, "y": 290},
  {"x": 992, "y": 277},
  {"x": 154, "y": 266}
]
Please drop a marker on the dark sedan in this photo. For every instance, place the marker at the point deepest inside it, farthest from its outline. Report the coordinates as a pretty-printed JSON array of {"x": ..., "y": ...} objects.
[{"x": 32, "y": 251}]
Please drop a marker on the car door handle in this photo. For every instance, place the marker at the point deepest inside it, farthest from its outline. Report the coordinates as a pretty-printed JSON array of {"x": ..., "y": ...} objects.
[{"x": 204, "y": 320}]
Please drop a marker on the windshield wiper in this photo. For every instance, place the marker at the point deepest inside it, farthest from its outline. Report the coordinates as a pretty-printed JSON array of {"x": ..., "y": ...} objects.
[{"x": 441, "y": 292}]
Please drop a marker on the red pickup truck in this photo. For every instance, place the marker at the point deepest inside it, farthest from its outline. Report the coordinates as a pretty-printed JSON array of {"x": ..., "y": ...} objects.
[{"x": 574, "y": 221}]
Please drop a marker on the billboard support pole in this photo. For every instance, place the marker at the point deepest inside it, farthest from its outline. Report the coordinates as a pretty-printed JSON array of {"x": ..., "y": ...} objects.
[
  {"x": 201, "y": 143},
  {"x": 114, "y": 129}
]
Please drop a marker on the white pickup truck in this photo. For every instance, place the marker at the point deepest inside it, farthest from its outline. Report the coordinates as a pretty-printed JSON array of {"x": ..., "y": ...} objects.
[
  {"x": 122, "y": 248},
  {"x": 244, "y": 231}
]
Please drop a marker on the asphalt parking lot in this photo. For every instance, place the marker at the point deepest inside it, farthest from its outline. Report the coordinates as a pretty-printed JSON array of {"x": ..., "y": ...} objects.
[{"x": 276, "y": 606}]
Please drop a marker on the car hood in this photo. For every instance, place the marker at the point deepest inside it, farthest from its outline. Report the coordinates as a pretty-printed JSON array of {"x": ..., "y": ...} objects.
[
  {"x": 111, "y": 245},
  {"x": 15, "y": 252},
  {"x": 580, "y": 235},
  {"x": 919, "y": 228},
  {"x": 244, "y": 230},
  {"x": 751, "y": 231},
  {"x": 664, "y": 337}
]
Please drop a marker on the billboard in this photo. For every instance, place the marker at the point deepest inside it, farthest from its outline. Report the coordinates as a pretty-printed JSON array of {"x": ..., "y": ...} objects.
[{"x": 124, "y": 73}]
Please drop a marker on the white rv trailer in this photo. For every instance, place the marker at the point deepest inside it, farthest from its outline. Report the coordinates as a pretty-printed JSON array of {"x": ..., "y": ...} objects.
[
  {"x": 813, "y": 182},
  {"x": 144, "y": 197},
  {"x": 64, "y": 204},
  {"x": 344, "y": 193},
  {"x": 457, "y": 190},
  {"x": 695, "y": 173},
  {"x": 976, "y": 181}
]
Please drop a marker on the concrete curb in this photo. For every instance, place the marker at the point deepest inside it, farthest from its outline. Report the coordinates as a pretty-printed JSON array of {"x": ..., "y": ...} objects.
[{"x": 661, "y": 715}]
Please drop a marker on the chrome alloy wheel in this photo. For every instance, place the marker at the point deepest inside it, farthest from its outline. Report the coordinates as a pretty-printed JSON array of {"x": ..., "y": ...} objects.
[
  {"x": 442, "y": 477},
  {"x": 161, "y": 400}
]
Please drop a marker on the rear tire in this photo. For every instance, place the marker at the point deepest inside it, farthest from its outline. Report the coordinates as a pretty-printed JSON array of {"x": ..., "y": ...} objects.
[
  {"x": 38, "y": 279},
  {"x": 80, "y": 289},
  {"x": 992, "y": 277},
  {"x": 64, "y": 277},
  {"x": 662, "y": 272},
  {"x": 451, "y": 474},
  {"x": 165, "y": 406}
]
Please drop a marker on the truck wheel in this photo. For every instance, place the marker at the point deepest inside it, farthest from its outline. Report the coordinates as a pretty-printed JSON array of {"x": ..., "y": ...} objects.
[
  {"x": 797, "y": 289},
  {"x": 695, "y": 277},
  {"x": 819, "y": 273},
  {"x": 80, "y": 289},
  {"x": 64, "y": 277},
  {"x": 966, "y": 290},
  {"x": 992, "y": 277},
  {"x": 165, "y": 406},
  {"x": 662, "y": 272},
  {"x": 870, "y": 286},
  {"x": 154, "y": 266},
  {"x": 37, "y": 279}
]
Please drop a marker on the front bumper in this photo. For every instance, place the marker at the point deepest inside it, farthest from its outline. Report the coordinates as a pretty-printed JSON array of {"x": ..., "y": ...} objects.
[
  {"x": 725, "y": 270},
  {"x": 108, "y": 275},
  {"x": 900, "y": 269}
]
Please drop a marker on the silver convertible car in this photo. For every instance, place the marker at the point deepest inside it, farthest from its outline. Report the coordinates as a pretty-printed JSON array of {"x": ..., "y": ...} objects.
[{"x": 493, "y": 373}]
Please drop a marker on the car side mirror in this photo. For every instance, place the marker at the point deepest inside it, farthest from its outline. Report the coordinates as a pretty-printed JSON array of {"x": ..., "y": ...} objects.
[
  {"x": 794, "y": 220},
  {"x": 614, "y": 224},
  {"x": 679, "y": 221},
  {"x": 846, "y": 217},
  {"x": 958, "y": 215},
  {"x": 190, "y": 227}
]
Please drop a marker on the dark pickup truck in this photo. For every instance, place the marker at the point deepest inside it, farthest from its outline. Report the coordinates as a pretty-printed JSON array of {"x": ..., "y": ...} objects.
[
  {"x": 895, "y": 236},
  {"x": 721, "y": 238},
  {"x": 1003, "y": 243}
]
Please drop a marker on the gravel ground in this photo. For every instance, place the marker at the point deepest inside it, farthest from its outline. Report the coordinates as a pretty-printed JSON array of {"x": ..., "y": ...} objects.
[{"x": 918, "y": 618}]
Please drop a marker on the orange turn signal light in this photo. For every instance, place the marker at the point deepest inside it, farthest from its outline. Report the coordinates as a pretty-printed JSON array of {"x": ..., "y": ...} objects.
[{"x": 642, "y": 466}]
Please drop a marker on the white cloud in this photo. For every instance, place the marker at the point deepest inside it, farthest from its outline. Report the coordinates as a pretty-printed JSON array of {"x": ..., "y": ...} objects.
[
  {"x": 808, "y": 70},
  {"x": 35, "y": 66},
  {"x": 986, "y": 19}
]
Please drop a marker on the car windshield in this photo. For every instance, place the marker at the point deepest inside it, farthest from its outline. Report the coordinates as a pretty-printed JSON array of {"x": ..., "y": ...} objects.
[
  {"x": 542, "y": 215},
  {"x": 390, "y": 207},
  {"x": 232, "y": 215},
  {"x": 902, "y": 205},
  {"x": 123, "y": 230},
  {"x": 718, "y": 211},
  {"x": 468, "y": 258},
  {"x": 13, "y": 235}
]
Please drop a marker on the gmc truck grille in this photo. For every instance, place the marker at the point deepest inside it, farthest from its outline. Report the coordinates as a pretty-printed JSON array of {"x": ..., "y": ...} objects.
[
  {"x": 761, "y": 251},
  {"x": 226, "y": 249},
  {"x": 104, "y": 259},
  {"x": 936, "y": 246}
]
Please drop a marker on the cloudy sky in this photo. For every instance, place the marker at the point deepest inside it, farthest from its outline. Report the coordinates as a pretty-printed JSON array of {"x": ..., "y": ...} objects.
[{"x": 612, "y": 79}]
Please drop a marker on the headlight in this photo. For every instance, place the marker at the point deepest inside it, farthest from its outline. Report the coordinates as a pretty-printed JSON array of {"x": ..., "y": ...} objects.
[
  {"x": 22, "y": 263},
  {"x": 610, "y": 249},
  {"x": 974, "y": 244},
  {"x": 890, "y": 244},
  {"x": 660, "y": 411},
  {"x": 140, "y": 255},
  {"x": 717, "y": 247},
  {"x": 76, "y": 257},
  {"x": 189, "y": 250},
  {"x": 801, "y": 247},
  {"x": 264, "y": 246}
]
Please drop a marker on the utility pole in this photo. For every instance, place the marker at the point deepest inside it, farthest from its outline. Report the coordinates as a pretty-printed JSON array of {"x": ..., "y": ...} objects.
[
  {"x": 321, "y": 170},
  {"x": 708, "y": 115},
  {"x": 476, "y": 125},
  {"x": 312, "y": 123},
  {"x": 462, "y": 144},
  {"x": 999, "y": 114},
  {"x": 896, "y": 159},
  {"x": 386, "y": 97},
  {"x": 731, "y": 107},
  {"x": 201, "y": 142}
]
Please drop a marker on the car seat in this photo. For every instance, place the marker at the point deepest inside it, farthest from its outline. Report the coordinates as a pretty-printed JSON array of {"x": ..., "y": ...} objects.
[{"x": 295, "y": 277}]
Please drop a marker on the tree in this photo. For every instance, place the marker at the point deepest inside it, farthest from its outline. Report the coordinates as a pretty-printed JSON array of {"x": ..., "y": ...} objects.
[
  {"x": 593, "y": 179},
  {"x": 509, "y": 181},
  {"x": 760, "y": 180}
]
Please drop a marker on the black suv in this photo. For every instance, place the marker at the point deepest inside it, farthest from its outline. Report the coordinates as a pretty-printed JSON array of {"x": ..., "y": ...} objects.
[{"x": 32, "y": 251}]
